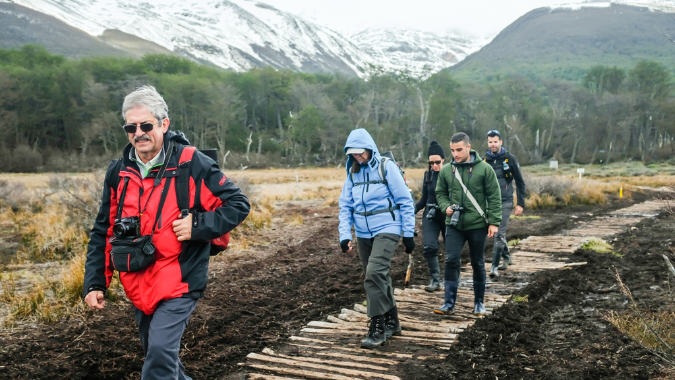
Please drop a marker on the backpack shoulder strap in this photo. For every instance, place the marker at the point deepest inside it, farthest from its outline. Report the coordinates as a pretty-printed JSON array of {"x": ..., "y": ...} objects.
[
  {"x": 383, "y": 169},
  {"x": 115, "y": 174},
  {"x": 183, "y": 181}
]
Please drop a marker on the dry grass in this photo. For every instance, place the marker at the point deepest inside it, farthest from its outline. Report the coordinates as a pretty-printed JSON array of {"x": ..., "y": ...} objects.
[
  {"x": 554, "y": 191},
  {"x": 652, "y": 330}
]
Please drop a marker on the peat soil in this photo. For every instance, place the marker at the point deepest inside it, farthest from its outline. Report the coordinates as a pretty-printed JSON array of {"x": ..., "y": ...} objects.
[
  {"x": 296, "y": 274},
  {"x": 560, "y": 332}
]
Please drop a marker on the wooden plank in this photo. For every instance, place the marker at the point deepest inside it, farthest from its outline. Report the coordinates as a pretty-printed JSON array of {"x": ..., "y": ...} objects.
[
  {"x": 360, "y": 308},
  {"x": 358, "y": 350},
  {"x": 297, "y": 363},
  {"x": 258, "y": 376},
  {"x": 331, "y": 318},
  {"x": 351, "y": 318},
  {"x": 422, "y": 341},
  {"x": 298, "y": 372},
  {"x": 332, "y": 362},
  {"x": 358, "y": 358},
  {"x": 419, "y": 334},
  {"x": 303, "y": 339}
]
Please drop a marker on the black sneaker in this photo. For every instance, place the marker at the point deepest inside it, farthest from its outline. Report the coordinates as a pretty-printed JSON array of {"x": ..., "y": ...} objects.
[
  {"x": 391, "y": 323},
  {"x": 376, "y": 335}
]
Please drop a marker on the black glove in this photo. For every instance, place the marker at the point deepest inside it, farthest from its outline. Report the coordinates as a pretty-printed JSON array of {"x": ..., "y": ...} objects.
[
  {"x": 409, "y": 244},
  {"x": 345, "y": 245}
]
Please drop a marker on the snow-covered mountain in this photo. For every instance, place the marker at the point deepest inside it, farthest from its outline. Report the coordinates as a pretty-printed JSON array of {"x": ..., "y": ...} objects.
[
  {"x": 422, "y": 53},
  {"x": 233, "y": 34},
  {"x": 667, "y": 6}
]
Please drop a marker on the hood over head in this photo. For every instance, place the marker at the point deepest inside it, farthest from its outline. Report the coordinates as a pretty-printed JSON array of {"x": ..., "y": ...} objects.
[{"x": 360, "y": 138}]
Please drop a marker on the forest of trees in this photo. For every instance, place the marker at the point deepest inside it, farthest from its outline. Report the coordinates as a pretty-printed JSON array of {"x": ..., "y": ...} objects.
[{"x": 64, "y": 115}]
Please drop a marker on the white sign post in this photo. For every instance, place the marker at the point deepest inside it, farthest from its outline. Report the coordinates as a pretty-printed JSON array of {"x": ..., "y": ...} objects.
[
  {"x": 553, "y": 164},
  {"x": 581, "y": 171}
]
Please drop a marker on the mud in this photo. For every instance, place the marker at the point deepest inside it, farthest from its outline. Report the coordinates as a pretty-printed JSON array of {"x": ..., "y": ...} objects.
[{"x": 298, "y": 274}]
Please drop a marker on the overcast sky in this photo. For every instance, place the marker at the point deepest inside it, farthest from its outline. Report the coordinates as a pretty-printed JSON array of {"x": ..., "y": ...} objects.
[{"x": 476, "y": 17}]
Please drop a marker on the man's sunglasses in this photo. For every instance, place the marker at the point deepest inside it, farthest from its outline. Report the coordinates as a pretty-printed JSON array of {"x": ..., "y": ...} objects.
[
  {"x": 145, "y": 127},
  {"x": 435, "y": 162},
  {"x": 494, "y": 132}
]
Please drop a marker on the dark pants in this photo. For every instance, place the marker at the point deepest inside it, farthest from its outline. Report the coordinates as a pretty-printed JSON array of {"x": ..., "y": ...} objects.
[
  {"x": 501, "y": 248},
  {"x": 431, "y": 228},
  {"x": 376, "y": 255},
  {"x": 454, "y": 242},
  {"x": 160, "y": 334}
]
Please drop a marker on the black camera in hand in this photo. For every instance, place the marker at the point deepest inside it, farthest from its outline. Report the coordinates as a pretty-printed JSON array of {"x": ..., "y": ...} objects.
[
  {"x": 127, "y": 227},
  {"x": 431, "y": 210},
  {"x": 455, "y": 215}
]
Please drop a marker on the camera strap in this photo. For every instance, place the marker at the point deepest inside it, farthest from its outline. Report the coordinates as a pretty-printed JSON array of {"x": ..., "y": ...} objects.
[{"x": 469, "y": 195}]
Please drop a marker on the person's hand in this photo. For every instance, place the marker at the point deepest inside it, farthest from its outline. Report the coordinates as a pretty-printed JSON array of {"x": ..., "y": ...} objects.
[
  {"x": 409, "y": 244},
  {"x": 519, "y": 210},
  {"x": 346, "y": 246},
  {"x": 449, "y": 211},
  {"x": 492, "y": 230},
  {"x": 183, "y": 228},
  {"x": 95, "y": 300}
]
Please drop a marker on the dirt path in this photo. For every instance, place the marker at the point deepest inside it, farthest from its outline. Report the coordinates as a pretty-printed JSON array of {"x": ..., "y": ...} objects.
[
  {"x": 329, "y": 349},
  {"x": 255, "y": 301}
]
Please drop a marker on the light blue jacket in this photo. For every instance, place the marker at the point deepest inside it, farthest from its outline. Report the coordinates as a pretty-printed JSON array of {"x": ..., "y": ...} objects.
[{"x": 373, "y": 197}]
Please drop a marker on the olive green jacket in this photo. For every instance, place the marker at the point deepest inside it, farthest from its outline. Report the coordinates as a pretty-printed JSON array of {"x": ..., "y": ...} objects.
[{"x": 481, "y": 181}]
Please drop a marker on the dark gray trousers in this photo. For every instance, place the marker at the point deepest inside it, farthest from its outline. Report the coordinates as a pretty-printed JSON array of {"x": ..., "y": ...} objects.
[
  {"x": 431, "y": 228},
  {"x": 376, "y": 255},
  {"x": 454, "y": 242},
  {"x": 160, "y": 334},
  {"x": 501, "y": 248}
]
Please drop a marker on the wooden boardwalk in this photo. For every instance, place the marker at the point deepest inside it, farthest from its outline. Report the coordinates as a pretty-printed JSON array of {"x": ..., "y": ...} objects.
[{"x": 330, "y": 349}]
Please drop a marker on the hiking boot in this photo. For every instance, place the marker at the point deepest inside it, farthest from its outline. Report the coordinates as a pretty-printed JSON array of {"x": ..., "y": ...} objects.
[
  {"x": 494, "y": 272},
  {"x": 450, "y": 297},
  {"x": 507, "y": 258},
  {"x": 478, "y": 295},
  {"x": 505, "y": 263},
  {"x": 376, "y": 333},
  {"x": 391, "y": 323},
  {"x": 435, "y": 273}
]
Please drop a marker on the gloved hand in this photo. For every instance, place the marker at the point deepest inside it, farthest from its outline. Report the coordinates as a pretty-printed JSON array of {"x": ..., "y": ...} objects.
[
  {"x": 409, "y": 244},
  {"x": 344, "y": 245}
]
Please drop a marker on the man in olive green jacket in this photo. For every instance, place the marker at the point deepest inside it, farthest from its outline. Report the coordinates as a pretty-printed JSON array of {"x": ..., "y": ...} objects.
[{"x": 467, "y": 220}]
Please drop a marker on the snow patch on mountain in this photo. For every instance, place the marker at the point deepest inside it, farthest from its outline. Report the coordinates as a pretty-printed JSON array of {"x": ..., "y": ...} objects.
[
  {"x": 233, "y": 34},
  {"x": 653, "y": 5},
  {"x": 419, "y": 52}
]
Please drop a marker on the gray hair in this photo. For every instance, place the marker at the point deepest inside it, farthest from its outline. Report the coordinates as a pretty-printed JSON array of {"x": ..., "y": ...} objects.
[
  {"x": 459, "y": 137},
  {"x": 148, "y": 97}
]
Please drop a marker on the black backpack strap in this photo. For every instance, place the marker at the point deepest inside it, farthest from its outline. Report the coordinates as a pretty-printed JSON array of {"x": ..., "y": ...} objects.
[
  {"x": 165, "y": 191},
  {"x": 120, "y": 205},
  {"x": 183, "y": 181}
]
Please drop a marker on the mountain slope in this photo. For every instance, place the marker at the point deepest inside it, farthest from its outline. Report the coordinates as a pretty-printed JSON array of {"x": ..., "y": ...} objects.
[
  {"x": 234, "y": 34},
  {"x": 423, "y": 53},
  {"x": 21, "y": 26},
  {"x": 564, "y": 42}
]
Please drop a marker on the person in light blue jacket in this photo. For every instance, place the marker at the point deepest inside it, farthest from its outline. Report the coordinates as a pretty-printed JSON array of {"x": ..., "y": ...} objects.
[{"x": 381, "y": 211}]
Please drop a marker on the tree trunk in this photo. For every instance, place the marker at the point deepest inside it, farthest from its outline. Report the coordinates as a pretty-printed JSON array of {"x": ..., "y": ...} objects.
[
  {"x": 249, "y": 141},
  {"x": 594, "y": 153},
  {"x": 281, "y": 126},
  {"x": 574, "y": 151}
]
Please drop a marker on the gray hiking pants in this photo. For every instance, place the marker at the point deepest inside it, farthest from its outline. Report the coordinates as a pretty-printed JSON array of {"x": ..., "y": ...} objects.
[
  {"x": 501, "y": 248},
  {"x": 160, "y": 334},
  {"x": 376, "y": 255}
]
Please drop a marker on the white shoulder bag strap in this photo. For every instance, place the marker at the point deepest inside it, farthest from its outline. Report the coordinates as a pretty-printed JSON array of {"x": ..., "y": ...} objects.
[{"x": 468, "y": 194}]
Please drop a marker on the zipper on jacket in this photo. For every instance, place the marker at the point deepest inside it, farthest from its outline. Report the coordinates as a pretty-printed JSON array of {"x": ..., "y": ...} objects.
[{"x": 363, "y": 192}]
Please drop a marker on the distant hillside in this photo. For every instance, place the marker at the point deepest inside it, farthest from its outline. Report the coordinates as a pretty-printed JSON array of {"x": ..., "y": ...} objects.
[
  {"x": 564, "y": 43},
  {"x": 21, "y": 26}
]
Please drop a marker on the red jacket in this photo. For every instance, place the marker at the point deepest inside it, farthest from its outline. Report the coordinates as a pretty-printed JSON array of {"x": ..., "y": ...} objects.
[{"x": 181, "y": 268}]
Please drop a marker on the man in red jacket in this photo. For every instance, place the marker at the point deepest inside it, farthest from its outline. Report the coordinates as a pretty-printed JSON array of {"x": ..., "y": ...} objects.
[{"x": 139, "y": 190}]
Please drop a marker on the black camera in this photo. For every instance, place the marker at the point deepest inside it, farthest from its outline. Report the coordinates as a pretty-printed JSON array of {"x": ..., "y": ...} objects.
[
  {"x": 127, "y": 227},
  {"x": 455, "y": 215},
  {"x": 431, "y": 210}
]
